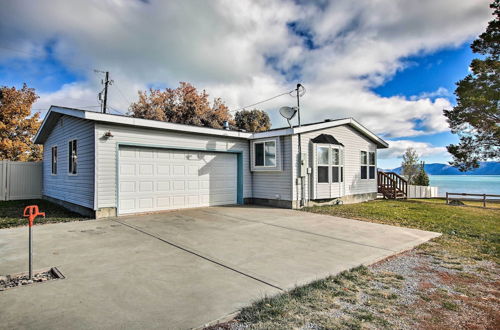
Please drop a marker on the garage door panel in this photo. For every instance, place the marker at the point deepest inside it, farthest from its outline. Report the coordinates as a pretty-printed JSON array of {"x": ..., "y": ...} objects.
[
  {"x": 157, "y": 179},
  {"x": 127, "y": 186},
  {"x": 163, "y": 186},
  {"x": 163, "y": 169},
  {"x": 146, "y": 186}
]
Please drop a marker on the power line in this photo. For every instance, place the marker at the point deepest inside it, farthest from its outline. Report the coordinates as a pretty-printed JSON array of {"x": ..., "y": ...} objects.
[
  {"x": 263, "y": 101},
  {"x": 116, "y": 110},
  {"x": 122, "y": 94}
]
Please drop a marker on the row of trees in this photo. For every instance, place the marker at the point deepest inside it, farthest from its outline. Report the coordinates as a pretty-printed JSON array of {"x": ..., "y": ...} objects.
[{"x": 186, "y": 105}]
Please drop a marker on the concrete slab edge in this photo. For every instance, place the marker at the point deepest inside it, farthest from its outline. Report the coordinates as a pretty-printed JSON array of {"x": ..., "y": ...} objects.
[{"x": 231, "y": 316}]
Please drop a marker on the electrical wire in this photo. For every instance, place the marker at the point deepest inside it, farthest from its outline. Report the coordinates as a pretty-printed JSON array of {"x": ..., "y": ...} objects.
[
  {"x": 128, "y": 101},
  {"x": 122, "y": 94},
  {"x": 116, "y": 110},
  {"x": 263, "y": 101}
]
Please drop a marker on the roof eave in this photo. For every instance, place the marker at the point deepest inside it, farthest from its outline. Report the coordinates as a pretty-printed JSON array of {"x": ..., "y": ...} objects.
[{"x": 381, "y": 144}]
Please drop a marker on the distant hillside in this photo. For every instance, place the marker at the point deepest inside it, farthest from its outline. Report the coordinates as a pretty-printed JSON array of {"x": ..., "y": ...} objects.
[{"x": 485, "y": 168}]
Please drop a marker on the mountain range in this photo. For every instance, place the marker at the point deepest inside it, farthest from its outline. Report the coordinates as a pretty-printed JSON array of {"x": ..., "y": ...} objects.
[{"x": 485, "y": 168}]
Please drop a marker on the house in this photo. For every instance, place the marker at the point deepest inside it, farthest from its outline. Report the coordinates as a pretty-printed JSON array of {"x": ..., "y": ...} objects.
[{"x": 106, "y": 165}]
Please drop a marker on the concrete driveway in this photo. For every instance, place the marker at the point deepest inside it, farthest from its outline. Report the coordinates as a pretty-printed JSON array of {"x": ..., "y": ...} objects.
[{"x": 181, "y": 269}]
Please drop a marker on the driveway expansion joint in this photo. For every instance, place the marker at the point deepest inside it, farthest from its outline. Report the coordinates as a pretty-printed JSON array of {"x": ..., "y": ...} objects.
[
  {"x": 300, "y": 230},
  {"x": 178, "y": 246}
]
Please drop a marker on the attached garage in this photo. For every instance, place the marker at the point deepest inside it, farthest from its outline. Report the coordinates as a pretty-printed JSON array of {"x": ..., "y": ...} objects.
[
  {"x": 161, "y": 179},
  {"x": 106, "y": 165}
]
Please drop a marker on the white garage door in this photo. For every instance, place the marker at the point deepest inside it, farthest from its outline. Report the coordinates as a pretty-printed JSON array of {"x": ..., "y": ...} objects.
[{"x": 160, "y": 179}]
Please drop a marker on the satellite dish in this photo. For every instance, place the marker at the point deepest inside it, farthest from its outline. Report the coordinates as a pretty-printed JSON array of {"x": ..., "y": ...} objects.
[{"x": 288, "y": 113}]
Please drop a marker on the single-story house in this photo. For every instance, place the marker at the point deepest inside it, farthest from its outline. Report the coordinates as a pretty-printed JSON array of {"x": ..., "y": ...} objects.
[{"x": 107, "y": 165}]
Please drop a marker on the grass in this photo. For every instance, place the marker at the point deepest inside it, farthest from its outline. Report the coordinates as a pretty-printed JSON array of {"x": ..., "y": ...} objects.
[
  {"x": 469, "y": 231},
  {"x": 11, "y": 213}
]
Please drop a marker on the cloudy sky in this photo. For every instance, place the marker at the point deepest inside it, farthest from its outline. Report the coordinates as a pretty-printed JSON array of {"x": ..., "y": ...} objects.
[{"x": 391, "y": 64}]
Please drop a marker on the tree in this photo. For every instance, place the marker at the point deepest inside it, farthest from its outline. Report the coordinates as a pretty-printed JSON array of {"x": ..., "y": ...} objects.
[
  {"x": 421, "y": 179},
  {"x": 476, "y": 116},
  {"x": 183, "y": 105},
  {"x": 17, "y": 125},
  {"x": 410, "y": 166},
  {"x": 252, "y": 120}
]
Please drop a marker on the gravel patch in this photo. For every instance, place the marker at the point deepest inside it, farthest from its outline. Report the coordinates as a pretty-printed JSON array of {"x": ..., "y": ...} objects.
[{"x": 12, "y": 281}]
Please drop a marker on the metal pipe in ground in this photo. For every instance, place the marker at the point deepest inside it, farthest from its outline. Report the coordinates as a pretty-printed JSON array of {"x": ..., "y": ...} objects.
[{"x": 30, "y": 254}]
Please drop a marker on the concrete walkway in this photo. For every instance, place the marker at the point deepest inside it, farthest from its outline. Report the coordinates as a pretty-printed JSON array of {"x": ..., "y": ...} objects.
[{"x": 181, "y": 269}]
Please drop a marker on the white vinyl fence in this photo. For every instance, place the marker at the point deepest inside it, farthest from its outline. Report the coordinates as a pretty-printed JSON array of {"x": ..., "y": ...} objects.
[
  {"x": 422, "y": 191},
  {"x": 20, "y": 180}
]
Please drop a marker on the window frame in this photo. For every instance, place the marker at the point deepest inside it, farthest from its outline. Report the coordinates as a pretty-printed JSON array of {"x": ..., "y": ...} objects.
[
  {"x": 372, "y": 166},
  {"x": 263, "y": 142},
  {"x": 53, "y": 160},
  {"x": 73, "y": 165},
  {"x": 367, "y": 165},
  {"x": 331, "y": 164}
]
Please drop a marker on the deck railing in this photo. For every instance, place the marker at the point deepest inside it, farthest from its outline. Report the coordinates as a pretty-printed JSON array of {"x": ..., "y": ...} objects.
[{"x": 392, "y": 185}]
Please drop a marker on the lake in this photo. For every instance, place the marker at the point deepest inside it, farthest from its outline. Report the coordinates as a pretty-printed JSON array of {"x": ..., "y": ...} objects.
[{"x": 471, "y": 184}]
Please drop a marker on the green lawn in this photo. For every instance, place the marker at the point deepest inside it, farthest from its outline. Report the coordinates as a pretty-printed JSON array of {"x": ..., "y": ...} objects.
[
  {"x": 470, "y": 231},
  {"x": 11, "y": 213}
]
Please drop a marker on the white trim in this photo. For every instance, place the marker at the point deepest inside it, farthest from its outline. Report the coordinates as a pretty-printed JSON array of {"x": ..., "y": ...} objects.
[
  {"x": 123, "y": 120},
  {"x": 368, "y": 165},
  {"x": 69, "y": 153},
  {"x": 96, "y": 166},
  {"x": 52, "y": 160},
  {"x": 319, "y": 126},
  {"x": 278, "y": 156},
  {"x": 264, "y": 155}
]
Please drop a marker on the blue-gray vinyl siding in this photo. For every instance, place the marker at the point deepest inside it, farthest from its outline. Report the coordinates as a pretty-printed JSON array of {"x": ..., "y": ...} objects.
[
  {"x": 74, "y": 188},
  {"x": 276, "y": 184}
]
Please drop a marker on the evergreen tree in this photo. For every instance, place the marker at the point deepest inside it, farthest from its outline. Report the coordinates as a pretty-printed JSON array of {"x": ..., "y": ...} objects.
[
  {"x": 476, "y": 116},
  {"x": 421, "y": 179}
]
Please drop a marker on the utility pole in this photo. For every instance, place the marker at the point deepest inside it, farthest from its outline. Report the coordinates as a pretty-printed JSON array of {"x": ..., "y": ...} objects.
[
  {"x": 302, "y": 160},
  {"x": 106, "y": 83},
  {"x": 298, "y": 101}
]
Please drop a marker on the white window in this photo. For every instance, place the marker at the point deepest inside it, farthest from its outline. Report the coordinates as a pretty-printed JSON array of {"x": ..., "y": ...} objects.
[
  {"x": 265, "y": 154},
  {"x": 72, "y": 157},
  {"x": 54, "y": 160},
  {"x": 323, "y": 164},
  {"x": 368, "y": 167},
  {"x": 329, "y": 167}
]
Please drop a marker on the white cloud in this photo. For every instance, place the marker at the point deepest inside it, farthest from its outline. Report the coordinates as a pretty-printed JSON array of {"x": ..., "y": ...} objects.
[
  {"x": 398, "y": 147},
  {"x": 224, "y": 47},
  {"x": 440, "y": 92}
]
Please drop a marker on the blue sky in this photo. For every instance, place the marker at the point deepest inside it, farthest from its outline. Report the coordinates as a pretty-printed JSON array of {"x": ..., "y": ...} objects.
[{"x": 392, "y": 72}]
